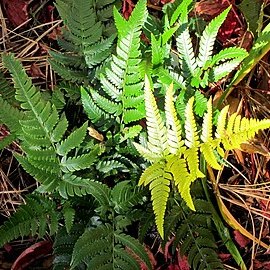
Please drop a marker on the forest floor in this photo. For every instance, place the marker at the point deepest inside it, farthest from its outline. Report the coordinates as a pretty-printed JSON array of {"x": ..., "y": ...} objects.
[{"x": 29, "y": 28}]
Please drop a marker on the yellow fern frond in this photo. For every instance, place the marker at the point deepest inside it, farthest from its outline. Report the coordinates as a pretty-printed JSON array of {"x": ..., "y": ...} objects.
[
  {"x": 221, "y": 123},
  {"x": 157, "y": 135},
  {"x": 207, "y": 150},
  {"x": 230, "y": 125},
  {"x": 151, "y": 173},
  {"x": 146, "y": 153},
  {"x": 207, "y": 125},
  {"x": 182, "y": 178},
  {"x": 159, "y": 183},
  {"x": 192, "y": 138},
  {"x": 192, "y": 159},
  {"x": 173, "y": 125}
]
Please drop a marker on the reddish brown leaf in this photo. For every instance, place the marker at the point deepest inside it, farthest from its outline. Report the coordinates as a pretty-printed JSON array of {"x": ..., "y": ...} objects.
[
  {"x": 241, "y": 240},
  {"x": 224, "y": 256},
  {"x": 31, "y": 254},
  {"x": 128, "y": 6},
  {"x": 36, "y": 72},
  {"x": 163, "y": 2},
  {"x": 173, "y": 267},
  {"x": 16, "y": 11},
  {"x": 233, "y": 25},
  {"x": 210, "y": 8},
  {"x": 56, "y": 32},
  {"x": 182, "y": 262},
  {"x": 258, "y": 265}
]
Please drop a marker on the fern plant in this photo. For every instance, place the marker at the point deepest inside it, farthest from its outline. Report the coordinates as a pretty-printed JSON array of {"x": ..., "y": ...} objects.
[
  {"x": 47, "y": 150},
  {"x": 122, "y": 81},
  {"x": 175, "y": 160},
  {"x": 201, "y": 68},
  {"x": 87, "y": 38}
]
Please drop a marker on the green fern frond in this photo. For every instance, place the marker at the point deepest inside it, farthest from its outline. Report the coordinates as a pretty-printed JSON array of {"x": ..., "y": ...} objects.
[
  {"x": 84, "y": 38},
  {"x": 184, "y": 44},
  {"x": 63, "y": 246},
  {"x": 73, "y": 140},
  {"x": 167, "y": 76},
  {"x": 69, "y": 215},
  {"x": 194, "y": 235},
  {"x": 95, "y": 114},
  {"x": 200, "y": 103},
  {"x": 10, "y": 116},
  {"x": 108, "y": 106},
  {"x": 102, "y": 247},
  {"x": 34, "y": 217},
  {"x": 208, "y": 38},
  {"x": 73, "y": 185},
  {"x": 7, "y": 92},
  {"x": 122, "y": 81},
  {"x": 227, "y": 54},
  {"x": 81, "y": 162},
  {"x": 125, "y": 196},
  {"x": 176, "y": 10}
]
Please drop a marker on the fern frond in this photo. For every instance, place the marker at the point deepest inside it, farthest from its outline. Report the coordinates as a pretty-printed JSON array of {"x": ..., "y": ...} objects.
[
  {"x": 159, "y": 183},
  {"x": 167, "y": 76},
  {"x": 157, "y": 137},
  {"x": 135, "y": 246},
  {"x": 173, "y": 124},
  {"x": 33, "y": 218},
  {"x": 83, "y": 39},
  {"x": 184, "y": 44},
  {"x": 228, "y": 54},
  {"x": 122, "y": 81},
  {"x": 72, "y": 185},
  {"x": 69, "y": 215},
  {"x": 73, "y": 140},
  {"x": 63, "y": 246},
  {"x": 102, "y": 248},
  {"x": 194, "y": 235},
  {"x": 206, "y": 134},
  {"x": 125, "y": 196},
  {"x": 200, "y": 103},
  {"x": 208, "y": 38},
  {"x": 223, "y": 70},
  {"x": 10, "y": 116},
  {"x": 108, "y": 106},
  {"x": 7, "y": 92},
  {"x": 182, "y": 178},
  {"x": 192, "y": 137},
  {"x": 73, "y": 164},
  {"x": 95, "y": 114},
  {"x": 179, "y": 10}
]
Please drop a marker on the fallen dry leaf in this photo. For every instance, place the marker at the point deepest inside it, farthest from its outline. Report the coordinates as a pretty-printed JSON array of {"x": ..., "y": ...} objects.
[
  {"x": 183, "y": 262},
  {"x": 31, "y": 254},
  {"x": 36, "y": 72},
  {"x": 240, "y": 239},
  {"x": 16, "y": 11}
]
